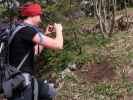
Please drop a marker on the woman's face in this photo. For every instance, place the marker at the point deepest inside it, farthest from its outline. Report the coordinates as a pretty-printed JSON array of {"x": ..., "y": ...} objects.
[{"x": 36, "y": 19}]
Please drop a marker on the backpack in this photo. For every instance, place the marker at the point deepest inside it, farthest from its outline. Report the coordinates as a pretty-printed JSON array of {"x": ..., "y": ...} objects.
[{"x": 10, "y": 77}]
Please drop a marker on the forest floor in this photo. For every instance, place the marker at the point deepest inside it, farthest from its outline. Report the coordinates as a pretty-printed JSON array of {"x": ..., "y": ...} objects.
[{"x": 109, "y": 79}]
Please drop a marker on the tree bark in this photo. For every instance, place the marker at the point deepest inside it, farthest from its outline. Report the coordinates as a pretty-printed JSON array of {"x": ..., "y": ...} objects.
[{"x": 105, "y": 14}]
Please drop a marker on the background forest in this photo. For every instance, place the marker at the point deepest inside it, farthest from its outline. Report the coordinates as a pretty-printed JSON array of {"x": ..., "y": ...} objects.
[{"x": 97, "y": 60}]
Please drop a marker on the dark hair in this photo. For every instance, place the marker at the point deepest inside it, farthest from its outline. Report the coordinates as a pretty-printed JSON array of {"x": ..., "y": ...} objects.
[{"x": 22, "y": 17}]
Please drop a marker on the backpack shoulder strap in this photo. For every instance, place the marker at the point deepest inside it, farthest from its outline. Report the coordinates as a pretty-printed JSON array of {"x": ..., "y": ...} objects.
[
  {"x": 14, "y": 32},
  {"x": 20, "y": 26},
  {"x": 23, "y": 60}
]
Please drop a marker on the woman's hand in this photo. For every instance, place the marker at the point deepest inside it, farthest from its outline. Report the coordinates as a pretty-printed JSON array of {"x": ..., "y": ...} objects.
[
  {"x": 49, "y": 29},
  {"x": 58, "y": 28}
]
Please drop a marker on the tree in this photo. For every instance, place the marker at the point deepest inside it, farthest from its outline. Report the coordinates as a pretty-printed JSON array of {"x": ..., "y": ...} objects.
[{"x": 105, "y": 14}]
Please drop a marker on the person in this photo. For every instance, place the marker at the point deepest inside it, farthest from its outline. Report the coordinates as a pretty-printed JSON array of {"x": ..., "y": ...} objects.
[{"x": 30, "y": 38}]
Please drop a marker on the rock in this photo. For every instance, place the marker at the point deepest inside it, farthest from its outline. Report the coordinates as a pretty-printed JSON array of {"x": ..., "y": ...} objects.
[
  {"x": 65, "y": 72},
  {"x": 130, "y": 75},
  {"x": 87, "y": 7},
  {"x": 72, "y": 66}
]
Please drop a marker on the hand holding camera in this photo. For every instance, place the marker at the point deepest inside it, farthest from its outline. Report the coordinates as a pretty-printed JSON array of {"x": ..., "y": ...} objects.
[
  {"x": 50, "y": 29},
  {"x": 58, "y": 28},
  {"x": 53, "y": 28}
]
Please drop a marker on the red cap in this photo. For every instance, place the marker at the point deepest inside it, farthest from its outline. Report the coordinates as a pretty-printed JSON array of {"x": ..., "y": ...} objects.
[{"x": 32, "y": 9}]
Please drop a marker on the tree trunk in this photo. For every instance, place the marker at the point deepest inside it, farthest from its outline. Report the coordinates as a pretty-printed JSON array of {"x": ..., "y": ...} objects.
[{"x": 105, "y": 14}]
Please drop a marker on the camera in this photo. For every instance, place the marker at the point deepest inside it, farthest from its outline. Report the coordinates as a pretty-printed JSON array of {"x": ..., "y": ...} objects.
[{"x": 51, "y": 28}]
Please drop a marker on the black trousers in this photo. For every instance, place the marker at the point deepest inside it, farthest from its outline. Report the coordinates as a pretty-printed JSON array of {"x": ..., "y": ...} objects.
[
  {"x": 26, "y": 94},
  {"x": 45, "y": 91}
]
